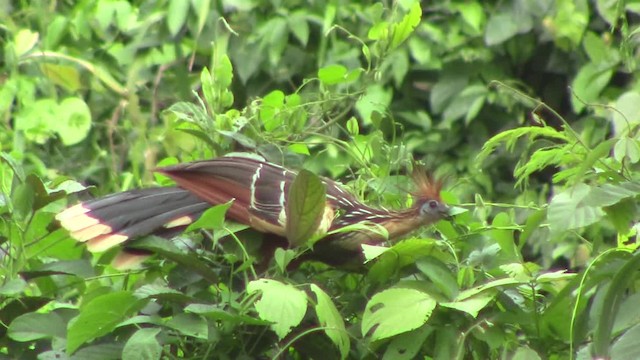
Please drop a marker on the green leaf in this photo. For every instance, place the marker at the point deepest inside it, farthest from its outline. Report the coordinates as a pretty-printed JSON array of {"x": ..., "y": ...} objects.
[
  {"x": 352, "y": 126},
  {"x": 610, "y": 194},
  {"x": 305, "y": 208},
  {"x": 525, "y": 353},
  {"x": 473, "y": 14},
  {"x": 215, "y": 312},
  {"x": 332, "y": 74},
  {"x": 283, "y": 257},
  {"x": 607, "y": 309},
  {"x": 627, "y": 147},
  {"x": 100, "y": 316},
  {"x": 299, "y": 26},
  {"x": 222, "y": 72},
  {"x": 74, "y": 121},
  {"x": 13, "y": 287},
  {"x": 446, "y": 89},
  {"x": 504, "y": 237},
  {"x": 379, "y": 31},
  {"x": 588, "y": 84},
  {"x": 24, "y": 40},
  {"x": 569, "y": 23},
  {"x": 407, "y": 345},
  {"x": 395, "y": 311},
  {"x": 376, "y": 99},
  {"x": 330, "y": 318},
  {"x": 500, "y": 27},
  {"x": 568, "y": 210},
  {"x": 392, "y": 259},
  {"x": 177, "y": 15},
  {"x": 441, "y": 276},
  {"x": 190, "y": 325},
  {"x": 282, "y": 304},
  {"x": 626, "y": 113},
  {"x": 33, "y": 326},
  {"x": 466, "y": 104},
  {"x": 143, "y": 345},
  {"x": 299, "y": 148},
  {"x": 472, "y": 305},
  {"x": 627, "y": 346},
  {"x": 62, "y": 75},
  {"x": 469, "y": 293},
  {"x": 212, "y": 219},
  {"x": 271, "y": 105},
  {"x": 167, "y": 250},
  {"x": 405, "y": 28}
]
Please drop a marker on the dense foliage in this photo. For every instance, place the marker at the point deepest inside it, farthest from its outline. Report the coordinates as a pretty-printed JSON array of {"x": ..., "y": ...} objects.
[{"x": 529, "y": 109}]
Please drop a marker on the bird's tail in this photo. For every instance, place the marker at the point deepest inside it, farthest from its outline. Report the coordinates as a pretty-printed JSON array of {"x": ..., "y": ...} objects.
[{"x": 112, "y": 220}]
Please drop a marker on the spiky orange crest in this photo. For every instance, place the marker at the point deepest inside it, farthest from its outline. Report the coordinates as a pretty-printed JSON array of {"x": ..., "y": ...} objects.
[{"x": 427, "y": 187}]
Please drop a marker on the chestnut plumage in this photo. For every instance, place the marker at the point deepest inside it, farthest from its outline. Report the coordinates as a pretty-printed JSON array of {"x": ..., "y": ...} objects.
[{"x": 259, "y": 191}]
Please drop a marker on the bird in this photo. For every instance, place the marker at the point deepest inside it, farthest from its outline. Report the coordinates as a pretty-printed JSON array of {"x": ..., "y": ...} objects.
[{"x": 258, "y": 191}]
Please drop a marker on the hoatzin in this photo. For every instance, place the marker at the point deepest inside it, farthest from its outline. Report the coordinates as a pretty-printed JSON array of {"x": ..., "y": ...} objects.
[{"x": 259, "y": 191}]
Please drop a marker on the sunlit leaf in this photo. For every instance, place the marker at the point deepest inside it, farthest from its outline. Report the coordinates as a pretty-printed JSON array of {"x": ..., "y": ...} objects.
[
  {"x": 282, "y": 304},
  {"x": 100, "y": 316},
  {"x": 568, "y": 209},
  {"x": 332, "y": 74},
  {"x": 402, "y": 30},
  {"x": 331, "y": 319},
  {"x": 212, "y": 218},
  {"x": 305, "y": 208},
  {"x": 395, "y": 311}
]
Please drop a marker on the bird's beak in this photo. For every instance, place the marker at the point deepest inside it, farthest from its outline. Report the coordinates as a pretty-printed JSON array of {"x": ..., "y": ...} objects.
[{"x": 448, "y": 212}]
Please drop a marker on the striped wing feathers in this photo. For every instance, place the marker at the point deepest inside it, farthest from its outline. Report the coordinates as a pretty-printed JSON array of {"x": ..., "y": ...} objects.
[{"x": 258, "y": 189}]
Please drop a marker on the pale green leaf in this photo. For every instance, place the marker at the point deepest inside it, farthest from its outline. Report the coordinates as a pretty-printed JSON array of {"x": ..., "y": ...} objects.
[
  {"x": 627, "y": 148},
  {"x": 100, "y": 316},
  {"x": 406, "y": 26},
  {"x": 213, "y": 218},
  {"x": 332, "y": 74},
  {"x": 74, "y": 121},
  {"x": 24, "y": 40},
  {"x": 281, "y": 304},
  {"x": 143, "y": 345},
  {"x": 588, "y": 84},
  {"x": 305, "y": 208},
  {"x": 190, "y": 325},
  {"x": 395, "y": 311},
  {"x": 34, "y": 326},
  {"x": 441, "y": 276},
  {"x": 626, "y": 114},
  {"x": 472, "y": 305},
  {"x": 568, "y": 210},
  {"x": 177, "y": 15},
  {"x": 609, "y": 194},
  {"x": 330, "y": 318}
]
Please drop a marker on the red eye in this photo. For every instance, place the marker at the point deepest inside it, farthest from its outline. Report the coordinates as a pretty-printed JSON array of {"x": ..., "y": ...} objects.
[{"x": 433, "y": 204}]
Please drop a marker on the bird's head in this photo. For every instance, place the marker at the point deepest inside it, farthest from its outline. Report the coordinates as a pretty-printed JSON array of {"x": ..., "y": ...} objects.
[{"x": 428, "y": 203}]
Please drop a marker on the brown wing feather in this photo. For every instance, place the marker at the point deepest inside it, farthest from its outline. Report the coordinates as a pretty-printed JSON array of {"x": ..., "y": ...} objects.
[{"x": 259, "y": 188}]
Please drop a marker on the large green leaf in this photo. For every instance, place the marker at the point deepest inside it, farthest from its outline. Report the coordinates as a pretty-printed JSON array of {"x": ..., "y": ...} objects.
[
  {"x": 395, "y": 311},
  {"x": 100, "y": 316},
  {"x": 282, "y": 304},
  {"x": 143, "y": 345},
  {"x": 213, "y": 218},
  {"x": 588, "y": 84},
  {"x": 33, "y": 326},
  {"x": 568, "y": 210},
  {"x": 330, "y": 318},
  {"x": 406, "y": 26},
  {"x": 305, "y": 208}
]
